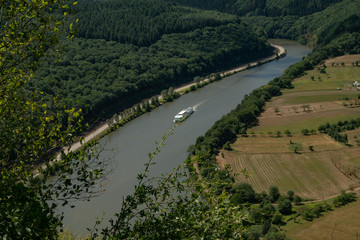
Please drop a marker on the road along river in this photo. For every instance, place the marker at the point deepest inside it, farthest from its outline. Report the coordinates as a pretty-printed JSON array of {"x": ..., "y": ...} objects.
[{"x": 129, "y": 146}]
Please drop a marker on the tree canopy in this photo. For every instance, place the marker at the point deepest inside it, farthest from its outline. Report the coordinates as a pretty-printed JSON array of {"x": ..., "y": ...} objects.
[
  {"x": 31, "y": 132},
  {"x": 270, "y": 8},
  {"x": 96, "y": 74}
]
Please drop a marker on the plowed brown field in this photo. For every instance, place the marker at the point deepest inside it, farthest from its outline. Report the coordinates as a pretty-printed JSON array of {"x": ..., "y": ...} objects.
[{"x": 311, "y": 175}]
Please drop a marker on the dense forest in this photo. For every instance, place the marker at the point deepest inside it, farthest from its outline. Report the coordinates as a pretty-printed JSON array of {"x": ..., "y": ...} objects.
[
  {"x": 319, "y": 28},
  {"x": 141, "y": 22},
  {"x": 270, "y": 8},
  {"x": 308, "y": 22},
  {"x": 95, "y": 73}
]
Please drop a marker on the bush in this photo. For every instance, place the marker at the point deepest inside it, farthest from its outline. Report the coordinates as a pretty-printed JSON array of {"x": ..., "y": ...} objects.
[
  {"x": 267, "y": 208},
  {"x": 274, "y": 234},
  {"x": 274, "y": 193},
  {"x": 287, "y": 132},
  {"x": 277, "y": 219},
  {"x": 297, "y": 200},
  {"x": 242, "y": 193},
  {"x": 305, "y": 131},
  {"x": 265, "y": 227},
  {"x": 295, "y": 147},
  {"x": 260, "y": 197},
  {"x": 290, "y": 195},
  {"x": 254, "y": 232},
  {"x": 344, "y": 198},
  {"x": 284, "y": 206},
  {"x": 193, "y": 88},
  {"x": 307, "y": 214},
  {"x": 317, "y": 210}
]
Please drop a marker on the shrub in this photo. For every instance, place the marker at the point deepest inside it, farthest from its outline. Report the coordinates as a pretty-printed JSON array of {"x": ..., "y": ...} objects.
[
  {"x": 274, "y": 193},
  {"x": 242, "y": 193},
  {"x": 287, "y": 132},
  {"x": 284, "y": 206},
  {"x": 290, "y": 195},
  {"x": 297, "y": 199},
  {"x": 308, "y": 214},
  {"x": 305, "y": 131},
  {"x": 277, "y": 219}
]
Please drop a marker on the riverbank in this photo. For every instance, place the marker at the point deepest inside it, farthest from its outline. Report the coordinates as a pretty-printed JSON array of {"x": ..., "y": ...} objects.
[
  {"x": 103, "y": 127},
  {"x": 129, "y": 146}
]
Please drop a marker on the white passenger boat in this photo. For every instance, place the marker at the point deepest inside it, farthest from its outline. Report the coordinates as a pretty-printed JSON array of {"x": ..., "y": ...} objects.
[{"x": 183, "y": 114}]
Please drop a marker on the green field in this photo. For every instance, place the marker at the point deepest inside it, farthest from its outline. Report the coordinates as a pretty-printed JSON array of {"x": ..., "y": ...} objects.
[
  {"x": 335, "y": 77},
  {"x": 297, "y": 123},
  {"x": 318, "y": 97},
  {"x": 339, "y": 224},
  {"x": 326, "y": 103}
]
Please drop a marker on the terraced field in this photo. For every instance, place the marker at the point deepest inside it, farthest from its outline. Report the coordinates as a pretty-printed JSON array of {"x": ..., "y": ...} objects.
[
  {"x": 311, "y": 174},
  {"x": 321, "y": 167}
]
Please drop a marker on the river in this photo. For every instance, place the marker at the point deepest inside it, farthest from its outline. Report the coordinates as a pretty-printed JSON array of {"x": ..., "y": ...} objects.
[{"x": 129, "y": 146}]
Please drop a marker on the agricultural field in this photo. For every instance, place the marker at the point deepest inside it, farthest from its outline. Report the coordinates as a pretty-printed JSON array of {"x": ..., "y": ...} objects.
[
  {"x": 339, "y": 224},
  {"x": 314, "y": 174},
  {"x": 314, "y": 166},
  {"x": 325, "y": 94}
]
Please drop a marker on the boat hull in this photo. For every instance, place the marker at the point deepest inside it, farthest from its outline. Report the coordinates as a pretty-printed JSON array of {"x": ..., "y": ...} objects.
[{"x": 183, "y": 115}]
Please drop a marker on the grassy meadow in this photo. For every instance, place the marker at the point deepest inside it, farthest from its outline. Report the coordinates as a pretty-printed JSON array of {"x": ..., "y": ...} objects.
[
  {"x": 316, "y": 98},
  {"x": 338, "y": 224}
]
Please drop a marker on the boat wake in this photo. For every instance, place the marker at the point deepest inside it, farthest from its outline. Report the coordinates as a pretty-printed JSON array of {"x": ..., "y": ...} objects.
[{"x": 198, "y": 105}]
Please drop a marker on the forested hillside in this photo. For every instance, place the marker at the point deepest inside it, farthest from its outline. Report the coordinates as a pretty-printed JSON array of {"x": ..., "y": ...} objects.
[
  {"x": 141, "y": 60},
  {"x": 269, "y": 8},
  {"x": 141, "y": 22},
  {"x": 309, "y": 22},
  {"x": 319, "y": 28}
]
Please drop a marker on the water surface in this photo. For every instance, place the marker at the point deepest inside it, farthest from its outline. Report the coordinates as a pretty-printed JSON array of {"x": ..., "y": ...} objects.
[{"x": 129, "y": 146}]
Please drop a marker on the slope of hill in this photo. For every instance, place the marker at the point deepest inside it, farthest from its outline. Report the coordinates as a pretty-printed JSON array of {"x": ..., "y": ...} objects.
[
  {"x": 154, "y": 45},
  {"x": 321, "y": 166},
  {"x": 269, "y": 8},
  {"x": 141, "y": 22},
  {"x": 309, "y": 22},
  {"x": 318, "y": 28}
]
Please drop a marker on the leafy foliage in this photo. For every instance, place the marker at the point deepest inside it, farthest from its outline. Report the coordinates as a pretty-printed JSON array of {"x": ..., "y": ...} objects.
[
  {"x": 269, "y": 8},
  {"x": 96, "y": 74},
  {"x": 141, "y": 22},
  {"x": 242, "y": 193},
  {"x": 313, "y": 29},
  {"x": 334, "y": 130},
  {"x": 344, "y": 198},
  {"x": 284, "y": 206},
  {"x": 31, "y": 132}
]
